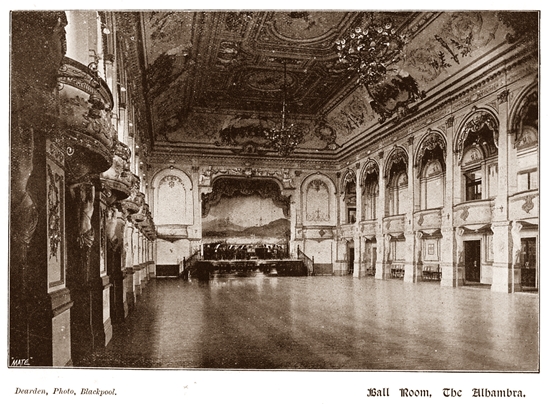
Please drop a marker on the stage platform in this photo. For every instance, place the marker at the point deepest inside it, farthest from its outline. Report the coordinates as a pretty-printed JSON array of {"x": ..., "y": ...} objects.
[{"x": 285, "y": 267}]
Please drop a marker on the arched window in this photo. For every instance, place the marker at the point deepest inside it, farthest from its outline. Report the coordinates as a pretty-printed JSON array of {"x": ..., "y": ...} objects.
[
  {"x": 398, "y": 182},
  {"x": 370, "y": 191},
  {"x": 432, "y": 186},
  {"x": 526, "y": 128},
  {"x": 431, "y": 170},
  {"x": 371, "y": 200},
  {"x": 350, "y": 196},
  {"x": 478, "y": 156}
]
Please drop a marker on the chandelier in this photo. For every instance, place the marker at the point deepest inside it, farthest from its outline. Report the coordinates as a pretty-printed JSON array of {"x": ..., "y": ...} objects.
[
  {"x": 374, "y": 51},
  {"x": 286, "y": 137}
]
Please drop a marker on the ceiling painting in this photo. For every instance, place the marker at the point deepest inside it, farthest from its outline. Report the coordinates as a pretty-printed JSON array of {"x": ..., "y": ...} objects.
[{"x": 218, "y": 78}]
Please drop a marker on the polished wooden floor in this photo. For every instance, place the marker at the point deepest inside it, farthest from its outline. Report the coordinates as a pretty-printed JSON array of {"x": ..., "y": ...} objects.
[{"x": 324, "y": 323}]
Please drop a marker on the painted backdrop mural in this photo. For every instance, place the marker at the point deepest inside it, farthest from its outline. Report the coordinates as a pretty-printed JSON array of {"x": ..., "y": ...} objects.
[
  {"x": 245, "y": 211},
  {"x": 245, "y": 220}
]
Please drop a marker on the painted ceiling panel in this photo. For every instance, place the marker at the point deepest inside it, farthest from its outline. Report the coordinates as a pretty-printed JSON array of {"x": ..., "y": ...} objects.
[{"x": 208, "y": 72}]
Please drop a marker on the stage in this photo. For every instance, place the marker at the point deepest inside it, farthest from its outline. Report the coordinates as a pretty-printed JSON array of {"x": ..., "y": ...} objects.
[{"x": 284, "y": 267}]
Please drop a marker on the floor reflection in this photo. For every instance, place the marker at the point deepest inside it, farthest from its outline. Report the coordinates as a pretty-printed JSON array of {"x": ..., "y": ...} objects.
[{"x": 262, "y": 322}]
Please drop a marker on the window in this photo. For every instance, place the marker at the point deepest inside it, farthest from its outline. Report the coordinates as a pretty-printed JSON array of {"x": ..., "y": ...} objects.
[
  {"x": 402, "y": 194},
  {"x": 350, "y": 196},
  {"x": 370, "y": 202},
  {"x": 527, "y": 180},
  {"x": 432, "y": 185},
  {"x": 351, "y": 215},
  {"x": 473, "y": 185}
]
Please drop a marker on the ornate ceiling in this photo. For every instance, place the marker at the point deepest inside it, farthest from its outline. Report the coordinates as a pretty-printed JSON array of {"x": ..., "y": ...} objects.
[
  {"x": 209, "y": 71},
  {"x": 212, "y": 81}
]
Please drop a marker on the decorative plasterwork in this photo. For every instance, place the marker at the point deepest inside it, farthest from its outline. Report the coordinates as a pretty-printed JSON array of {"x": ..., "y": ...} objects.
[
  {"x": 528, "y": 205},
  {"x": 285, "y": 175},
  {"x": 85, "y": 118},
  {"x": 348, "y": 178},
  {"x": 172, "y": 180},
  {"x": 229, "y": 187},
  {"x": 520, "y": 113},
  {"x": 55, "y": 185},
  {"x": 317, "y": 205},
  {"x": 371, "y": 167},
  {"x": 477, "y": 121},
  {"x": 396, "y": 156},
  {"x": 432, "y": 140}
]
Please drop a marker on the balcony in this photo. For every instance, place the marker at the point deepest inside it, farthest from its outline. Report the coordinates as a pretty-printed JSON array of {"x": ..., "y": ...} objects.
[
  {"x": 141, "y": 214},
  {"x": 118, "y": 179},
  {"x": 393, "y": 224},
  {"x": 347, "y": 230},
  {"x": 132, "y": 204},
  {"x": 85, "y": 118},
  {"x": 368, "y": 227},
  {"x": 474, "y": 214},
  {"x": 147, "y": 226},
  {"x": 524, "y": 205},
  {"x": 429, "y": 219}
]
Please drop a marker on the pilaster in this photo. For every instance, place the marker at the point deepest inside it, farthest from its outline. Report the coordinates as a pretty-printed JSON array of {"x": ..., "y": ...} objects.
[
  {"x": 382, "y": 242},
  {"x": 449, "y": 270},
  {"x": 412, "y": 244},
  {"x": 358, "y": 265},
  {"x": 503, "y": 264}
]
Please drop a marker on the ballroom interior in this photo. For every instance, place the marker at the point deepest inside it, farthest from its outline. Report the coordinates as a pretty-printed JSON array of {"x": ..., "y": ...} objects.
[{"x": 284, "y": 168}]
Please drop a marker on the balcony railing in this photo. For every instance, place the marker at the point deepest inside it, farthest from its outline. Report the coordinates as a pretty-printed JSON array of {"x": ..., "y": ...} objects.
[
  {"x": 368, "y": 227},
  {"x": 524, "y": 205},
  {"x": 473, "y": 213},
  {"x": 85, "y": 118},
  {"x": 118, "y": 177},
  {"x": 427, "y": 219},
  {"x": 393, "y": 224}
]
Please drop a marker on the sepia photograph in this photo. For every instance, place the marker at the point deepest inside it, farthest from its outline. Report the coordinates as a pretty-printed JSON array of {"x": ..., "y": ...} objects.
[{"x": 303, "y": 194}]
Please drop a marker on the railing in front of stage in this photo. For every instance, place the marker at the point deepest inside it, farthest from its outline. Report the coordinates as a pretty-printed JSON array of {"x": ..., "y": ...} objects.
[
  {"x": 308, "y": 262},
  {"x": 187, "y": 264}
]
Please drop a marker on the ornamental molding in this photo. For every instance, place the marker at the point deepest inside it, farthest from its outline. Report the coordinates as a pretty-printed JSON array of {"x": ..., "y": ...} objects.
[
  {"x": 160, "y": 157},
  {"x": 265, "y": 188},
  {"x": 474, "y": 123},
  {"x": 371, "y": 167},
  {"x": 528, "y": 205},
  {"x": 396, "y": 155},
  {"x": 55, "y": 202}
]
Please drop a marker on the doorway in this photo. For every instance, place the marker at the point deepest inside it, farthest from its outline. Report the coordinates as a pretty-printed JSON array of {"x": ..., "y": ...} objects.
[
  {"x": 472, "y": 258},
  {"x": 528, "y": 261}
]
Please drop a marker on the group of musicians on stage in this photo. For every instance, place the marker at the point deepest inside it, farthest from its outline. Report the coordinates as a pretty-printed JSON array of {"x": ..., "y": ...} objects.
[{"x": 224, "y": 251}]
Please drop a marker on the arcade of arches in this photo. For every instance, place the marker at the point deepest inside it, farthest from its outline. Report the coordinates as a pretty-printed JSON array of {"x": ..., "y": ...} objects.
[{"x": 116, "y": 181}]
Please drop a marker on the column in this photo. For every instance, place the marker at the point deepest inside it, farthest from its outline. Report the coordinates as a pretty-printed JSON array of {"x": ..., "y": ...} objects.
[
  {"x": 505, "y": 279},
  {"x": 412, "y": 242},
  {"x": 382, "y": 245},
  {"x": 99, "y": 260},
  {"x": 359, "y": 245},
  {"x": 114, "y": 265},
  {"x": 451, "y": 274},
  {"x": 83, "y": 275},
  {"x": 137, "y": 262},
  {"x": 40, "y": 302},
  {"x": 129, "y": 267}
]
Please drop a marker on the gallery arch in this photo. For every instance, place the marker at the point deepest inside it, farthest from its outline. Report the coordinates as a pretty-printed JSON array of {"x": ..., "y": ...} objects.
[{"x": 319, "y": 215}]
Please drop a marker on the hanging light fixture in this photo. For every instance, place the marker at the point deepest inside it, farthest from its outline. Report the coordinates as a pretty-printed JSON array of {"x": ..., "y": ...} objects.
[
  {"x": 374, "y": 51},
  {"x": 286, "y": 137}
]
